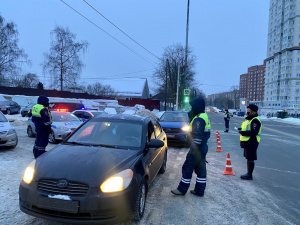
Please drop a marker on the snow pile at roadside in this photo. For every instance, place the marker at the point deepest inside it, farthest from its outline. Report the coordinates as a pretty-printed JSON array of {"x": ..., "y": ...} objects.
[
  {"x": 145, "y": 112},
  {"x": 19, "y": 120}
]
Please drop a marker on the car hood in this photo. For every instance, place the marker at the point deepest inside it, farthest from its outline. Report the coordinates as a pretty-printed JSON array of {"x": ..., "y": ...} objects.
[
  {"x": 173, "y": 124},
  {"x": 5, "y": 126},
  {"x": 85, "y": 164}
]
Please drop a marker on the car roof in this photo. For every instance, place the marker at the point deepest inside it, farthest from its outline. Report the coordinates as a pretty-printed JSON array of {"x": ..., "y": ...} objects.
[
  {"x": 125, "y": 117},
  {"x": 58, "y": 112},
  {"x": 176, "y": 112}
]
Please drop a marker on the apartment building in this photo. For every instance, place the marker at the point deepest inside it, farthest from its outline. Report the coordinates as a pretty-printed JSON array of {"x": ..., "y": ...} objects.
[{"x": 282, "y": 77}]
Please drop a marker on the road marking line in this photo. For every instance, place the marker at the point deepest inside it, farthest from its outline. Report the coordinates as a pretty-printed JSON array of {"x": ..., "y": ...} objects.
[
  {"x": 283, "y": 133},
  {"x": 285, "y": 171}
]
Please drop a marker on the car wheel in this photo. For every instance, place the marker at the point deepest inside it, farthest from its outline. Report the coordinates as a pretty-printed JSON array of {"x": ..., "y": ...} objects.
[
  {"x": 140, "y": 201},
  {"x": 22, "y": 114},
  {"x": 30, "y": 131},
  {"x": 164, "y": 165},
  {"x": 8, "y": 111},
  {"x": 51, "y": 138}
]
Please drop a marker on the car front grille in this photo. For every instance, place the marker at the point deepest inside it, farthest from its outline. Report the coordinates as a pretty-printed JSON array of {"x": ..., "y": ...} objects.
[
  {"x": 2, "y": 133},
  {"x": 172, "y": 130},
  {"x": 73, "y": 188}
]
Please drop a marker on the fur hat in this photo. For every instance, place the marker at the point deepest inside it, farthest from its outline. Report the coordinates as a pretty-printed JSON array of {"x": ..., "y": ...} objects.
[{"x": 253, "y": 107}]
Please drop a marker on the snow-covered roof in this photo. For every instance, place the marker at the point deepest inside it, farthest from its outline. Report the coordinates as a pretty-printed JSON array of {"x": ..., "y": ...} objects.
[{"x": 127, "y": 87}]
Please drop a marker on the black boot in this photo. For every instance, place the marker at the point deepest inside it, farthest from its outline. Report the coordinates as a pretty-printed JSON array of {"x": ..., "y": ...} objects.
[{"x": 250, "y": 167}]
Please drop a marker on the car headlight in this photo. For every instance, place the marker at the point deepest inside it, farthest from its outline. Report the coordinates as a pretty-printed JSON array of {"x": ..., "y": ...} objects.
[
  {"x": 186, "y": 128},
  {"x": 117, "y": 182},
  {"x": 63, "y": 128},
  {"x": 11, "y": 131},
  {"x": 29, "y": 172}
]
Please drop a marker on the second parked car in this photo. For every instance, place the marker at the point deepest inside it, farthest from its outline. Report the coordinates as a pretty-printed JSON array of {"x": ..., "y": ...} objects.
[
  {"x": 62, "y": 122},
  {"x": 85, "y": 115},
  {"x": 8, "y": 134},
  {"x": 9, "y": 107}
]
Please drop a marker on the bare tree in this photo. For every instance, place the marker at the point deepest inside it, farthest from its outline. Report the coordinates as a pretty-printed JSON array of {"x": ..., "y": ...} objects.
[
  {"x": 63, "y": 62},
  {"x": 236, "y": 94},
  {"x": 167, "y": 72},
  {"x": 11, "y": 56},
  {"x": 99, "y": 89}
]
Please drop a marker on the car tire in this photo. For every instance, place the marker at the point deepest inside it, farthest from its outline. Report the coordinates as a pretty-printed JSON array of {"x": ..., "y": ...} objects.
[
  {"x": 164, "y": 165},
  {"x": 140, "y": 202},
  {"x": 51, "y": 138},
  {"x": 22, "y": 114},
  {"x": 8, "y": 111},
  {"x": 30, "y": 131}
]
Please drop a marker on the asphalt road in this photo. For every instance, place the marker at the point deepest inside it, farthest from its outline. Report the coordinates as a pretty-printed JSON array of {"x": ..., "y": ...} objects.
[{"x": 273, "y": 197}]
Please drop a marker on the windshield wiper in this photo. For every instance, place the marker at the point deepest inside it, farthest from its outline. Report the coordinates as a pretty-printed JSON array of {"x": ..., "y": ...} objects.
[
  {"x": 77, "y": 143},
  {"x": 107, "y": 146}
]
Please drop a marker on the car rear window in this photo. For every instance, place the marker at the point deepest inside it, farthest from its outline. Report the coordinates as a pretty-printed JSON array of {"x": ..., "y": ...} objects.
[
  {"x": 174, "y": 117},
  {"x": 63, "y": 117}
]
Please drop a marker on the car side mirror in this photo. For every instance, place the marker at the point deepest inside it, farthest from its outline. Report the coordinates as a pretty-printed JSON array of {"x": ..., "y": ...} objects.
[
  {"x": 155, "y": 143},
  {"x": 11, "y": 120},
  {"x": 64, "y": 136}
]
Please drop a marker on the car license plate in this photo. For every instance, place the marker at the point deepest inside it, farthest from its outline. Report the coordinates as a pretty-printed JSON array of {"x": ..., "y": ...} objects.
[
  {"x": 171, "y": 136},
  {"x": 58, "y": 205}
]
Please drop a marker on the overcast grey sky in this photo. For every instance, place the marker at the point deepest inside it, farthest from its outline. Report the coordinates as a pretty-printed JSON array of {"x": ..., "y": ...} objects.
[{"x": 227, "y": 36}]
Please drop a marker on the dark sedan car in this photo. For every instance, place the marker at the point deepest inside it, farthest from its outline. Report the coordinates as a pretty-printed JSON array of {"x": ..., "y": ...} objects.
[
  {"x": 176, "y": 126},
  {"x": 100, "y": 173},
  {"x": 27, "y": 109},
  {"x": 85, "y": 115},
  {"x": 9, "y": 107}
]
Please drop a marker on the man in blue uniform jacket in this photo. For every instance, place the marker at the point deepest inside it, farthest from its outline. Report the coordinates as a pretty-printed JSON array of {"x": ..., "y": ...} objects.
[
  {"x": 196, "y": 157},
  {"x": 41, "y": 118}
]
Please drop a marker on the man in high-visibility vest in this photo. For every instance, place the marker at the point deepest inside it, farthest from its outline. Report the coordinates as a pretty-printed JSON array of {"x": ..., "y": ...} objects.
[
  {"x": 226, "y": 119},
  {"x": 250, "y": 138},
  {"x": 42, "y": 120},
  {"x": 196, "y": 157}
]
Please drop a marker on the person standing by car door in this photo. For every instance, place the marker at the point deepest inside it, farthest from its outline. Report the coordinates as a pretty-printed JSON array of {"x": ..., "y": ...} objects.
[
  {"x": 196, "y": 157},
  {"x": 42, "y": 120},
  {"x": 250, "y": 138},
  {"x": 226, "y": 119}
]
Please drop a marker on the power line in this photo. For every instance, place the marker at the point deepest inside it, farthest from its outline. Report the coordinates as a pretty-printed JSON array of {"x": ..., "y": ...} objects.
[
  {"x": 106, "y": 32},
  {"x": 120, "y": 29}
]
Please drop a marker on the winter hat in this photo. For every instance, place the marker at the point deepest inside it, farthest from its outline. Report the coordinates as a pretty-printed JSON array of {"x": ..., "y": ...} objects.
[{"x": 253, "y": 107}]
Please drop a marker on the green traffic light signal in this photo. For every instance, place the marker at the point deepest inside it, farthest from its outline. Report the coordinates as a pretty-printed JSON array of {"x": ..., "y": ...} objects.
[{"x": 186, "y": 99}]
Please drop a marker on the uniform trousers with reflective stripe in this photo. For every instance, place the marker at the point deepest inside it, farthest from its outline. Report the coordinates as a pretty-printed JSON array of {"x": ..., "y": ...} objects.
[
  {"x": 195, "y": 161},
  {"x": 227, "y": 125},
  {"x": 41, "y": 142}
]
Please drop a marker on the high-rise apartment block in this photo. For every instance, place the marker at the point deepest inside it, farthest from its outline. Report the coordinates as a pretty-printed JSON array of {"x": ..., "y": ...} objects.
[{"x": 282, "y": 77}]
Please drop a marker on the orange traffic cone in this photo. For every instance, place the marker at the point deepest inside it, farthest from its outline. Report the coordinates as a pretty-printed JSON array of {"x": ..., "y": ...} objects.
[
  {"x": 228, "y": 168},
  {"x": 219, "y": 147},
  {"x": 217, "y": 133},
  {"x": 218, "y": 139}
]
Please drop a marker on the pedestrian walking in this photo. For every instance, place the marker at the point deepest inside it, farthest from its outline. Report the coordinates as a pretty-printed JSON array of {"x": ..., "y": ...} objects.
[
  {"x": 226, "y": 119},
  {"x": 250, "y": 138},
  {"x": 42, "y": 120},
  {"x": 196, "y": 157}
]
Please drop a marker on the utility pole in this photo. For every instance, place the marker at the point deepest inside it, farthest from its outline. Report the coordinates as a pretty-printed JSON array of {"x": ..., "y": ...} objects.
[
  {"x": 166, "y": 91},
  {"x": 187, "y": 34},
  {"x": 177, "y": 91}
]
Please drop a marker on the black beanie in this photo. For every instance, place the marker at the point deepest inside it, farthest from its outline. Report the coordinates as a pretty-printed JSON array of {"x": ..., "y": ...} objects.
[{"x": 253, "y": 107}]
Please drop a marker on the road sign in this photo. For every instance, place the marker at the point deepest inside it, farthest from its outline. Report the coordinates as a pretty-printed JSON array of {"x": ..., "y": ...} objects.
[
  {"x": 296, "y": 106},
  {"x": 186, "y": 91}
]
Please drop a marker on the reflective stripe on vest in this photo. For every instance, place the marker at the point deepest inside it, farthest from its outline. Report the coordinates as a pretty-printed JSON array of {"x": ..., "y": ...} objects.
[
  {"x": 205, "y": 118},
  {"x": 246, "y": 126}
]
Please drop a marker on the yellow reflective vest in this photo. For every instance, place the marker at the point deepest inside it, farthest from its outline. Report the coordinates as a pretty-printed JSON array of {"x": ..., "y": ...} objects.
[
  {"x": 205, "y": 118},
  {"x": 246, "y": 126},
  {"x": 36, "y": 111}
]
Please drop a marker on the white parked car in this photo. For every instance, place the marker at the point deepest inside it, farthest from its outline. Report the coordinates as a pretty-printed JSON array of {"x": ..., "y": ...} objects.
[
  {"x": 62, "y": 122},
  {"x": 8, "y": 134}
]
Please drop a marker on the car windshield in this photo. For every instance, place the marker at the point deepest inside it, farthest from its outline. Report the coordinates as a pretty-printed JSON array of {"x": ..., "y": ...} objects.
[
  {"x": 4, "y": 103},
  {"x": 174, "y": 117},
  {"x": 98, "y": 113},
  {"x": 114, "y": 134},
  {"x": 2, "y": 118},
  {"x": 63, "y": 117}
]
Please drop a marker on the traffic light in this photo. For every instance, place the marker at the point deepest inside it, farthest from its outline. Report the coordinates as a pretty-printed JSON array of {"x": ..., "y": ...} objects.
[{"x": 186, "y": 99}]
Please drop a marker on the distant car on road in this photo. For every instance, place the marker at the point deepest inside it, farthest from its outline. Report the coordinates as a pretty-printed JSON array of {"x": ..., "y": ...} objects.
[
  {"x": 240, "y": 113},
  {"x": 62, "y": 122},
  {"x": 101, "y": 173},
  {"x": 27, "y": 110},
  {"x": 85, "y": 115},
  {"x": 65, "y": 106},
  {"x": 9, "y": 107},
  {"x": 8, "y": 134},
  {"x": 176, "y": 126}
]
